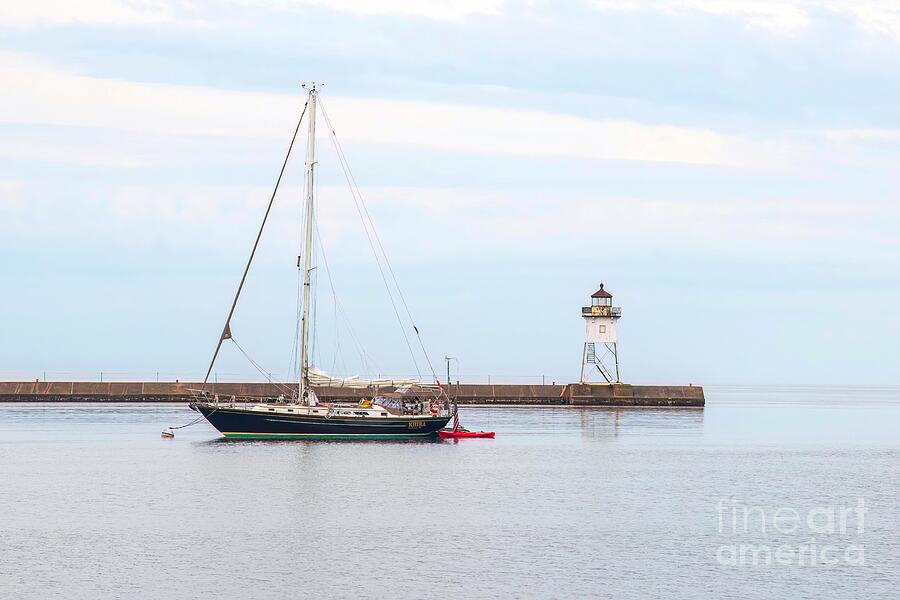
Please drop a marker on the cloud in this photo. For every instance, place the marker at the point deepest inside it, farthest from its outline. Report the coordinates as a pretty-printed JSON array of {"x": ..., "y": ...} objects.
[
  {"x": 472, "y": 215},
  {"x": 532, "y": 133},
  {"x": 40, "y": 94},
  {"x": 103, "y": 12},
  {"x": 873, "y": 16},
  {"x": 433, "y": 9},
  {"x": 541, "y": 221},
  {"x": 878, "y": 17},
  {"x": 862, "y": 135},
  {"x": 117, "y": 149},
  {"x": 11, "y": 194},
  {"x": 766, "y": 14},
  {"x": 29, "y": 146},
  {"x": 43, "y": 13},
  {"x": 868, "y": 147},
  {"x": 784, "y": 16},
  {"x": 184, "y": 203}
]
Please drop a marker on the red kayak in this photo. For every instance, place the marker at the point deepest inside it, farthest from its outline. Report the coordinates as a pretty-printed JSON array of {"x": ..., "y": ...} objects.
[
  {"x": 445, "y": 434},
  {"x": 461, "y": 432}
]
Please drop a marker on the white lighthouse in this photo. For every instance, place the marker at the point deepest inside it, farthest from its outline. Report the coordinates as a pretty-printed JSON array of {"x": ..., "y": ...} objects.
[{"x": 600, "y": 358}]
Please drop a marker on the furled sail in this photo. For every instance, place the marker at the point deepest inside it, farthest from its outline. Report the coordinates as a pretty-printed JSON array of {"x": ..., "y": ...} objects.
[{"x": 323, "y": 379}]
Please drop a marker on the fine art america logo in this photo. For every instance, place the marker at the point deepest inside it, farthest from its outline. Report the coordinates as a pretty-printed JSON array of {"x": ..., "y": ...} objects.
[{"x": 821, "y": 536}]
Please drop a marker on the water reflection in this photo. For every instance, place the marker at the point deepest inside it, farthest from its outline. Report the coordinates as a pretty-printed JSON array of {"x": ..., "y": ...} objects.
[
  {"x": 314, "y": 441},
  {"x": 613, "y": 422},
  {"x": 565, "y": 502},
  {"x": 585, "y": 422}
]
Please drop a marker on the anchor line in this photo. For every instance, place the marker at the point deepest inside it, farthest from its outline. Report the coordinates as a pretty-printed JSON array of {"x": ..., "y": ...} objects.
[{"x": 194, "y": 422}]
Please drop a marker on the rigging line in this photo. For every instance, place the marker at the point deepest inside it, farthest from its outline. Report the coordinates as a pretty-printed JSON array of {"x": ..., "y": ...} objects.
[
  {"x": 348, "y": 176},
  {"x": 371, "y": 222},
  {"x": 293, "y": 360},
  {"x": 336, "y": 351},
  {"x": 367, "y": 361},
  {"x": 226, "y": 331},
  {"x": 280, "y": 385},
  {"x": 360, "y": 208},
  {"x": 314, "y": 276},
  {"x": 383, "y": 276},
  {"x": 337, "y": 345},
  {"x": 337, "y": 331},
  {"x": 339, "y": 308},
  {"x": 320, "y": 247},
  {"x": 380, "y": 245}
]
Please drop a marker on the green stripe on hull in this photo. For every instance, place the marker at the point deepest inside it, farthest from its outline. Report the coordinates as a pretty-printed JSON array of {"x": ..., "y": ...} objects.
[{"x": 370, "y": 436}]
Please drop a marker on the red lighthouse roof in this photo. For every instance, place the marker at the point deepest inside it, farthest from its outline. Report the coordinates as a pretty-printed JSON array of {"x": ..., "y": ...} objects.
[{"x": 601, "y": 293}]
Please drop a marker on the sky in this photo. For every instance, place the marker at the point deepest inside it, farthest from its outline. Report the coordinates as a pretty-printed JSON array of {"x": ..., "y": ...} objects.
[{"x": 727, "y": 168}]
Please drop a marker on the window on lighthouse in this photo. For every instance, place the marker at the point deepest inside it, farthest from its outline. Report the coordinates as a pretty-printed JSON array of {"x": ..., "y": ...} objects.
[{"x": 602, "y": 328}]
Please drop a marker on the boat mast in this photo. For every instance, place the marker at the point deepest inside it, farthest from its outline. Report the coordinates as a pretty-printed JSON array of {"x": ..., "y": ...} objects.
[{"x": 308, "y": 245}]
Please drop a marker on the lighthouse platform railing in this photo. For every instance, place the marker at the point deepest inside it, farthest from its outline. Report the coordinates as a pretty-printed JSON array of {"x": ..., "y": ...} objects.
[{"x": 601, "y": 311}]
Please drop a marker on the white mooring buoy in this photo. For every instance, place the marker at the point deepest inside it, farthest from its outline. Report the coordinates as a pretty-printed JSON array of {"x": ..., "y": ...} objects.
[{"x": 167, "y": 433}]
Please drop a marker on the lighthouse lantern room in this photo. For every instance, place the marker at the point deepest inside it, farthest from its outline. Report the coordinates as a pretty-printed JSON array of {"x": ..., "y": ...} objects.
[{"x": 600, "y": 357}]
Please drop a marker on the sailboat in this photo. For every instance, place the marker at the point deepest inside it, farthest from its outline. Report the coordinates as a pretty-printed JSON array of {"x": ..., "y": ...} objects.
[{"x": 382, "y": 408}]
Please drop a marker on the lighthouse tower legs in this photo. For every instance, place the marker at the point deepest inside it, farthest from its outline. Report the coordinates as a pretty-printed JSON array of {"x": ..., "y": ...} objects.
[{"x": 602, "y": 358}]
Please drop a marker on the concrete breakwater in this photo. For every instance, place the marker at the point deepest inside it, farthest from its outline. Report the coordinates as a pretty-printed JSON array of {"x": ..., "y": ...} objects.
[{"x": 506, "y": 394}]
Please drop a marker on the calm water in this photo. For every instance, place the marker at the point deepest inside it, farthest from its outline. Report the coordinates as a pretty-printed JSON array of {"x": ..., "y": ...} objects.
[{"x": 566, "y": 503}]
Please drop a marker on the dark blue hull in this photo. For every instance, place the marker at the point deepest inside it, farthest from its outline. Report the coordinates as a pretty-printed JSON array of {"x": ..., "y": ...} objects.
[{"x": 244, "y": 423}]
